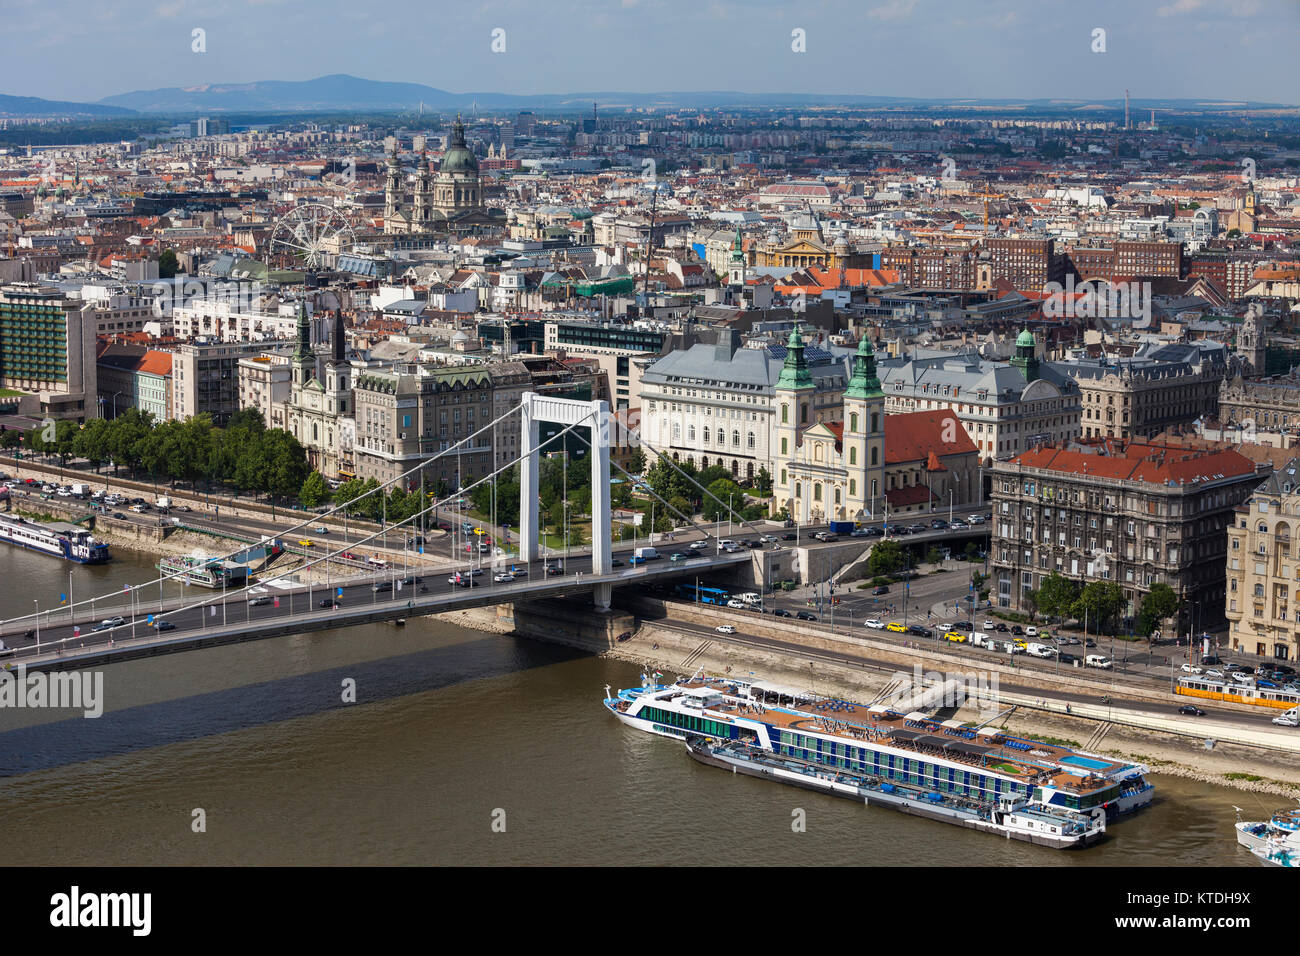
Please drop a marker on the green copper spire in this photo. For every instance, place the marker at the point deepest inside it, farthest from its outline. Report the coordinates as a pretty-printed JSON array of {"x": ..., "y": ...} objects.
[
  {"x": 794, "y": 374},
  {"x": 864, "y": 383},
  {"x": 303, "y": 352},
  {"x": 737, "y": 248},
  {"x": 1026, "y": 356}
]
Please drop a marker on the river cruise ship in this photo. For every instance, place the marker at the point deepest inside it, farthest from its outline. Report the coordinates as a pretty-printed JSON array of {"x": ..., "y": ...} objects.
[
  {"x": 206, "y": 572},
  {"x": 1282, "y": 827},
  {"x": 982, "y": 768},
  {"x": 60, "y": 539}
]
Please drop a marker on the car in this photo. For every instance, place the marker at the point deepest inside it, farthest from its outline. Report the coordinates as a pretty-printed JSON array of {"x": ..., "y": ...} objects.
[
  {"x": 859, "y": 533},
  {"x": 304, "y": 543},
  {"x": 503, "y": 578},
  {"x": 109, "y": 622},
  {"x": 186, "y": 508},
  {"x": 699, "y": 545},
  {"x": 880, "y": 589},
  {"x": 874, "y": 532},
  {"x": 1191, "y": 669},
  {"x": 938, "y": 524},
  {"x": 327, "y": 602},
  {"x": 467, "y": 582},
  {"x": 678, "y": 556},
  {"x": 553, "y": 569},
  {"x": 806, "y": 616},
  {"x": 725, "y": 629},
  {"x": 348, "y": 556},
  {"x": 917, "y": 528},
  {"x": 768, "y": 539},
  {"x": 781, "y": 612},
  {"x": 1000, "y": 627},
  {"x": 1210, "y": 659},
  {"x": 164, "y": 626},
  {"x": 874, "y": 623},
  {"x": 1241, "y": 677},
  {"x": 321, "y": 529},
  {"x": 1031, "y": 632},
  {"x": 615, "y": 563},
  {"x": 635, "y": 560},
  {"x": 259, "y": 601},
  {"x": 1287, "y": 720},
  {"x": 789, "y": 536},
  {"x": 1067, "y": 639},
  {"x": 962, "y": 626},
  {"x": 896, "y": 627},
  {"x": 919, "y": 631},
  {"x": 738, "y": 605},
  {"x": 957, "y": 637},
  {"x": 1017, "y": 630}
]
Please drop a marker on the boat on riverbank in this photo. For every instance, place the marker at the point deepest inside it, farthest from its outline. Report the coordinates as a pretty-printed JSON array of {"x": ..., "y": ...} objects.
[
  {"x": 60, "y": 539},
  {"x": 978, "y": 774},
  {"x": 206, "y": 572},
  {"x": 1284, "y": 825},
  {"x": 1014, "y": 817}
]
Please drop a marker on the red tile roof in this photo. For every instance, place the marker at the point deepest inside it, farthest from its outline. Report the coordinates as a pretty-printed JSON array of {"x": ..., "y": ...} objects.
[
  {"x": 916, "y": 435},
  {"x": 1138, "y": 461},
  {"x": 903, "y": 497}
]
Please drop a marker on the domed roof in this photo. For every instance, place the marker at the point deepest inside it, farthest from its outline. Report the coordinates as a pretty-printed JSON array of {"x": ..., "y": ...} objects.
[
  {"x": 458, "y": 158},
  {"x": 1025, "y": 339}
]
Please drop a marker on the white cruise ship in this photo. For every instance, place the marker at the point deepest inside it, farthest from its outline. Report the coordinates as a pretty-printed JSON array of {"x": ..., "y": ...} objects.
[{"x": 58, "y": 538}]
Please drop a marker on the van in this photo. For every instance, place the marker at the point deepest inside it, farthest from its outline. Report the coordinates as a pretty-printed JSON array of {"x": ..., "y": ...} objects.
[
  {"x": 726, "y": 544},
  {"x": 1039, "y": 650},
  {"x": 1013, "y": 647},
  {"x": 1097, "y": 660},
  {"x": 647, "y": 554}
]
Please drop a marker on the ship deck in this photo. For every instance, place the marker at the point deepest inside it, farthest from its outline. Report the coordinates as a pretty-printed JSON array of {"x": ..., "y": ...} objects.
[{"x": 1030, "y": 761}]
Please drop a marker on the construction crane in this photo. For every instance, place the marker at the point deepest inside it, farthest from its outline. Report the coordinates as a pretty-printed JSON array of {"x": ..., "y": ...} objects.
[{"x": 986, "y": 196}]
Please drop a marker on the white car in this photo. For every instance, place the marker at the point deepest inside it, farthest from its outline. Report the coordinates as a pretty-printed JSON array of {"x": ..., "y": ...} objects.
[
  {"x": 1286, "y": 720},
  {"x": 872, "y": 622},
  {"x": 725, "y": 629},
  {"x": 1241, "y": 677},
  {"x": 503, "y": 577},
  {"x": 699, "y": 545},
  {"x": 739, "y": 605},
  {"x": 1191, "y": 669},
  {"x": 1031, "y": 632},
  {"x": 1213, "y": 672}
]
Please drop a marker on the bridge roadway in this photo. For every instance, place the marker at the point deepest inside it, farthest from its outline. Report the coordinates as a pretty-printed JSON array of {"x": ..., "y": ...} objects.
[{"x": 300, "y": 609}]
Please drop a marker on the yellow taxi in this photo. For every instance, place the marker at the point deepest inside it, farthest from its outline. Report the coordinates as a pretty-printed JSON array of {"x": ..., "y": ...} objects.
[
  {"x": 896, "y": 628},
  {"x": 304, "y": 543},
  {"x": 957, "y": 637},
  {"x": 1021, "y": 645}
]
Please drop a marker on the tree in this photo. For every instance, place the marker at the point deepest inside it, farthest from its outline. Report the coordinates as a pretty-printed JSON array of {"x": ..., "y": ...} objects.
[
  {"x": 933, "y": 555},
  {"x": 716, "y": 501},
  {"x": 1161, "y": 603},
  {"x": 636, "y": 463},
  {"x": 886, "y": 556},
  {"x": 1099, "y": 605},
  {"x": 314, "y": 490},
  {"x": 1056, "y": 597},
  {"x": 168, "y": 266},
  {"x": 763, "y": 481}
]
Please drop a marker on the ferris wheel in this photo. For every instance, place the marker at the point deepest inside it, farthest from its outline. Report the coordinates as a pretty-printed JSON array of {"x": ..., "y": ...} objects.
[{"x": 310, "y": 232}]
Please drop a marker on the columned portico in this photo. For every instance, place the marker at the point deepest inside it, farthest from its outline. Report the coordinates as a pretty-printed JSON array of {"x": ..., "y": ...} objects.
[{"x": 535, "y": 409}]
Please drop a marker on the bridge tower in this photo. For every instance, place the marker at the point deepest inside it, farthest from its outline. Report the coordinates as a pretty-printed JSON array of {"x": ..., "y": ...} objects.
[{"x": 536, "y": 409}]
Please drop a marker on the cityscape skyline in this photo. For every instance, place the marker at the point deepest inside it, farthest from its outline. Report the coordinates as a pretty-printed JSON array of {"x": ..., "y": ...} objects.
[{"x": 1158, "y": 50}]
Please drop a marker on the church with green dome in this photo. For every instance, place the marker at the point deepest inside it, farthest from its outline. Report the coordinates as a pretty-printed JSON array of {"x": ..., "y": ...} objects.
[{"x": 450, "y": 201}]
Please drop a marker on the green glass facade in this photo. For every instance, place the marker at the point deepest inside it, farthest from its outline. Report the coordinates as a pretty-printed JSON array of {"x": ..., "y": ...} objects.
[{"x": 33, "y": 341}]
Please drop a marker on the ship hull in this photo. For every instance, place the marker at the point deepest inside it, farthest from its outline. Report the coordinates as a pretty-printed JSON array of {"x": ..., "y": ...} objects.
[{"x": 835, "y": 786}]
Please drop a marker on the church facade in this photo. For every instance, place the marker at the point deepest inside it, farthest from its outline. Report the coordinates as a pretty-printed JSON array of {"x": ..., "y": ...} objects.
[
  {"x": 450, "y": 201},
  {"x": 866, "y": 464},
  {"x": 319, "y": 411}
]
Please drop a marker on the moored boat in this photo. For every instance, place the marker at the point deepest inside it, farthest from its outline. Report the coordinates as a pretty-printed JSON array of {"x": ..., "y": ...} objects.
[{"x": 60, "y": 539}]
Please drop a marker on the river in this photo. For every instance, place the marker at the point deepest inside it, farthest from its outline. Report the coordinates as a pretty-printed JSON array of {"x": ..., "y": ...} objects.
[{"x": 461, "y": 747}]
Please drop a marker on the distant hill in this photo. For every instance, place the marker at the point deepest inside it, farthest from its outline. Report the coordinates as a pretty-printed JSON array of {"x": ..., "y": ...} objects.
[
  {"x": 336, "y": 92},
  {"x": 341, "y": 92},
  {"x": 21, "y": 106}
]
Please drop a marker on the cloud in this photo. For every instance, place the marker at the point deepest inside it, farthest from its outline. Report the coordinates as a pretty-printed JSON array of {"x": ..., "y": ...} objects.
[
  {"x": 168, "y": 11},
  {"x": 893, "y": 10},
  {"x": 1179, "y": 7}
]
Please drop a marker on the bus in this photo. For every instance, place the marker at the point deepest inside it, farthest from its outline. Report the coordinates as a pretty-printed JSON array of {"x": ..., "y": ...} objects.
[{"x": 702, "y": 594}]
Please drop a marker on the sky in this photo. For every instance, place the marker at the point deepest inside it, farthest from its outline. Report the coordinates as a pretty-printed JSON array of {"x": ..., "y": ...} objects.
[{"x": 1185, "y": 49}]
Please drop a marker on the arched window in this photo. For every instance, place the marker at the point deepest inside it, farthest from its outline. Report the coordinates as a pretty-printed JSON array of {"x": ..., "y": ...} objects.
[
  {"x": 837, "y": 494},
  {"x": 785, "y": 414},
  {"x": 803, "y": 414},
  {"x": 875, "y": 421},
  {"x": 784, "y": 447},
  {"x": 853, "y": 422},
  {"x": 875, "y": 455},
  {"x": 706, "y": 434},
  {"x": 798, "y": 489},
  {"x": 853, "y": 488},
  {"x": 735, "y": 439},
  {"x": 817, "y": 492},
  {"x": 750, "y": 441},
  {"x": 690, "y": 433}
]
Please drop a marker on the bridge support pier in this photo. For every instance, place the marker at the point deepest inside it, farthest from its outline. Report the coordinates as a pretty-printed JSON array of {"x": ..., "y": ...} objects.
[{"x": 565, "y": 411}]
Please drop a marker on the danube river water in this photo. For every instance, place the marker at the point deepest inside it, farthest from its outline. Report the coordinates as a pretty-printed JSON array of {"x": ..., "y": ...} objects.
[{"x": 461, "y": 748}]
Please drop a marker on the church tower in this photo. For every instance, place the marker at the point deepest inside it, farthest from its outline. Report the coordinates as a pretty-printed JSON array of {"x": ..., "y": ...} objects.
[
  {"x": 1026, "y": 358},
  {"x": 794, "y": 412},
  {"x": 392, "y": 192},
  {"x": 303, "y": 360},
  {"x": 458, "y": 188},
  {"x": 423, "y": 194},
  {"x": 338, "y": 372},
  {"x": 736, "y": 268},
  {"x": 1251, "y": 342},
  {"x": 864, "y": 434}
]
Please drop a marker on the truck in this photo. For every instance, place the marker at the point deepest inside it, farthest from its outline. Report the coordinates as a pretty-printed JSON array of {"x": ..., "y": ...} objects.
[
  {"x": 1035, "y": 649},
  {"x": 164, "y": 502},
  {"x": 842, "y": 527},
  {"x": 1097, "y": 660},
  {"x": 749, "y": 597},
  {"x": 79, "y": 490},
  {"x": 647, "y": 554}
]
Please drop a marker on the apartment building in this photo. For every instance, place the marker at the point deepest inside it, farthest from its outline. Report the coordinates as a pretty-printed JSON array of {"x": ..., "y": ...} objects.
[
  {"x": 1160, "y": 387},
  {"x": 47, "y": 349},
  {"x": 1027, "y": 264},
  {"x": 1005, "y": 407},
  {"x": 264, "y": 384},
  {"x": 1131, "y": 512},
  {"x": 1263, "y": 570},
  {"x": 205, "y": 378},
  {"x": 928, "y": 268}
]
